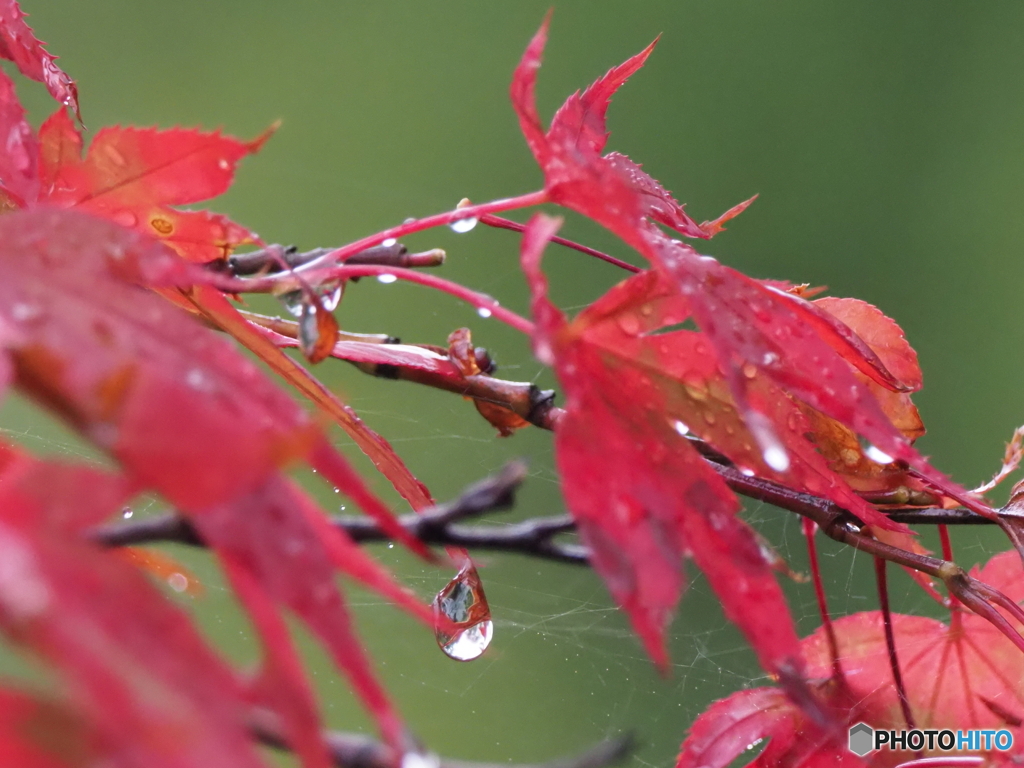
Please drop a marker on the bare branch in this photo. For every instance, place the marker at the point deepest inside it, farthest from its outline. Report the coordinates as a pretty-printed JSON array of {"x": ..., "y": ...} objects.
[
  {"x": 268, "y": 260},
  {"x": 437, "y": 525}
]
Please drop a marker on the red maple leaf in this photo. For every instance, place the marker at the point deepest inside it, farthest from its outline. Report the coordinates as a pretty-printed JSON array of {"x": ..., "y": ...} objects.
[
  {"x": 132, "y": 176},
  {"x": 185, "y": 414},
  {"x": 641, "y": 495},
  {"x": 131, "y": 664},
  {"x": 755, "y": 329},
  {"x": 964, "y": 675},
  {"x": 18, "y": 44},
  {"x": 763, "y": 359}
]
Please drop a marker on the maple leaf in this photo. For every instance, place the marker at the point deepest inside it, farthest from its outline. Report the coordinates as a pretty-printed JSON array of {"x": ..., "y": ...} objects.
[
  {"x": 132, "y": 664},
  {"x": 130, "y": 175},
  {"x": 641, "y": 495},
  {"x": 18, "y": 44},
  {"x": 133, "y": 176},
  {"x": 187, "y": 415},
  {"x": 39, "y": 733},
  {"x": 756, "y": 330},
  {"x": 964, "y": 675}
]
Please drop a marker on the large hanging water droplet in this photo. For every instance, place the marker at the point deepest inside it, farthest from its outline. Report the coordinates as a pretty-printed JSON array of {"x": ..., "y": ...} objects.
[
  {"x": 309, "y": 330},
  {"x": 462, "y": 618},
  {"x": 461, "y": 226}
]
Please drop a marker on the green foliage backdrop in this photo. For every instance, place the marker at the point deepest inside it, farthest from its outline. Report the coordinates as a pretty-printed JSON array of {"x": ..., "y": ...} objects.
[{"x": 886, "y": 141}]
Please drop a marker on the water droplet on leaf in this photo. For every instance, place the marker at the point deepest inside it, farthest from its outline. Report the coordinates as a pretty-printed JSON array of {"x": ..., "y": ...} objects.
[
  {"x": 292, "y": 301},
  {"x": 126, "y": 218},
  {"x": 629, "y": 324},
  {"x": 462, "y": 618},
  {"x": 330, "y": 294},
  {"x": 461, "y": 226},
  {"x": 178, "y": 582},
  {"x": 877, "y": 455},
  {"x": 127, "y": 512},
  {"x": 420, "y": 760},
  {"x": 772, "y": 450},
  {"x": 386, "y": 278}
]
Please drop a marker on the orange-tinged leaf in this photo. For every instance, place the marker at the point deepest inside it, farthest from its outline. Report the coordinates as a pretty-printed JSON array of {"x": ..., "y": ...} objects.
[
  {"x": 133, "y": 176},
  {"x": 642, "y": 497},
  {"x": 752, "y": 326}
]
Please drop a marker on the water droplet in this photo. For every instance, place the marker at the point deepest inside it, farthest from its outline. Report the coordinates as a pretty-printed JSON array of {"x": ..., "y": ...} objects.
[
  {"x": 389, "y": 242},
  {"x": 309, "y": 330},
  {"x": 342, "y": 507},
  {"x": 746, "y": 472},
  {"x": 196, "y": 379},
  {"x": 769, "y": 358},
  {"x": 391, "y": 545},
  {"x": 775, "y": 456},
  {"x": 461, "y": 226},
  {"x": 127, "y": 512},
  {"x": 223, "y": 164},
  {"x": 115, "y": 157},
  {"x": 681, "y": 428},
  {"x": 386, "y": 278},
  {"x": 629, "y": 325},
  {"x": 330, "y": 294},
  {"x": 178, "y": 582},
  {"x": 337, "y": 490},
  {"x": 877, "y": 455},
  {"x": 483, "y": 311},
  {"x": 462, "y": 618},
  {"x": 292, "y": 301},
  {"x": 22, "y": 312},
  {"x": 420, "y": 760},
  {"x": 772, "y": 450},
  {"x": 694, "y": 384},
  {"x": 126, "y": 218}
]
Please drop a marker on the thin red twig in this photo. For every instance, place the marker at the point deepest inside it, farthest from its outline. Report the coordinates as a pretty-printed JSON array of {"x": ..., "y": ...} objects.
[
  {"x": 501, "y": 223},
  {"x": 429, "y": 222},
  {"x": 890, "y": 641},
  {"x": 810, "y": 528}
]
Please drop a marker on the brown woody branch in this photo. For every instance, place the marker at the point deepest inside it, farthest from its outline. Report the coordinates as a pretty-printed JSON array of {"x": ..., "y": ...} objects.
[
  {"x": 438, "y": 525},
  {"x": 272, "y": 258}
]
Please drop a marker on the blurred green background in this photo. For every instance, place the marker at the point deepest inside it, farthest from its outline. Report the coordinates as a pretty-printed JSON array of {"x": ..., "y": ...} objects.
[{"x": 884, "y": 139}]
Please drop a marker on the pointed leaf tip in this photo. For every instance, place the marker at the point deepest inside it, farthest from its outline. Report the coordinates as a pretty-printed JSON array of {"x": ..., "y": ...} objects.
[{"x": 713, "y": 227}]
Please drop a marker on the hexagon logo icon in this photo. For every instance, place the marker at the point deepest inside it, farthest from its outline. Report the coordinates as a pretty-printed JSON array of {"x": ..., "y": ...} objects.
[{"x": 862, "y": 737}]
